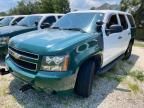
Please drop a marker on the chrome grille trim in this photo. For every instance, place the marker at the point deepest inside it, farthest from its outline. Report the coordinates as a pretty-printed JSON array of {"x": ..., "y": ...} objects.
[
  {"x": 24, "y": 67},
  {"x": 9, "y": 52},
  {"x": 25, "y": 52}
]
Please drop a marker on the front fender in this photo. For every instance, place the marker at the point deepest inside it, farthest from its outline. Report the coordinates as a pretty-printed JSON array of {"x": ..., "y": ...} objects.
[{"x": 80, "y": 58}]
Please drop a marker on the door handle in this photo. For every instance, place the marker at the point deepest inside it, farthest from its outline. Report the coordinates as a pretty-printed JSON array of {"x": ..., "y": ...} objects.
[{"x": 120, "y": 37}]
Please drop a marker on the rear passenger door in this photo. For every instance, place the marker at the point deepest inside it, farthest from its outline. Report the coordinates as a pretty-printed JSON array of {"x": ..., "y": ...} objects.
[{"x": 126, "y": 33}]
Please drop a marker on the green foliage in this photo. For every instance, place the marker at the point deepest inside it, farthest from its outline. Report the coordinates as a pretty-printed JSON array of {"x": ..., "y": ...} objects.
[
  {"x": 3, "y": 14},
  {"x": 136, "y": 7},
  {"x": 138, "y": 75},
  {"x": 41, "y": 6},
  {"x": 134, "y": 87},
  {"x": 128, "y": 4}
]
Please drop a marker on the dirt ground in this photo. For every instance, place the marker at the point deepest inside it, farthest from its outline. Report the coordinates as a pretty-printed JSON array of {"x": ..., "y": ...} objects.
[{"x": 121, "y": 87}]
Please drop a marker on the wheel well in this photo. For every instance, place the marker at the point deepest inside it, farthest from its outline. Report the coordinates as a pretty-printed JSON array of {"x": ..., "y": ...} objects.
[{"x": 98, "y": 60}]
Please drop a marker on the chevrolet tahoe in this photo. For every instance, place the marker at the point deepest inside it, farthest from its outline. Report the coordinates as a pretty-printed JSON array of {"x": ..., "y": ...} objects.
[{"x": 72, "y": 51}]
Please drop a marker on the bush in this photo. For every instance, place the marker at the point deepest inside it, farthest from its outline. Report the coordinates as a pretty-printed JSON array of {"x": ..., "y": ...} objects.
[{"x": 140, "y": 34}]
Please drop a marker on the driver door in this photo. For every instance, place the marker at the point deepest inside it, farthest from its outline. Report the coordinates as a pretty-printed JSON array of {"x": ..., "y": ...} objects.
[{"x": 112, "y": 43}]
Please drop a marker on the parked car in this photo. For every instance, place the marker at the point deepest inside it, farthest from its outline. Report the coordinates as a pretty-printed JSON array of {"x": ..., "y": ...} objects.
[
  {"x": 27, "y": 24},
  {"x": 11, "y": 20},
  {"x": 1, "y": 18},
  {"x": 78, "y": 46}
]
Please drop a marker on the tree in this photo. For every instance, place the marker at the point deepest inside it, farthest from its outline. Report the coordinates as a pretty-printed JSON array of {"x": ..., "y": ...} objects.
[
  {"x": 47, "y": 6},
  {"x": 61, "y": 6},
  {"x": 26, "y": 7},
  {"x": 136, "y": 7},
  {"x": 3, "y": 14},
  {"x": 130, "y": 5},
  {"x": 55, "y": 6},
  {"x": 41, "y": 6}
]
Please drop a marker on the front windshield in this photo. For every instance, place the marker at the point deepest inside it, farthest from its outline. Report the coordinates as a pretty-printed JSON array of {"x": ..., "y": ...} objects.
[
  {"x": 30, "y": 21},
  {"x": 6, "y": 21},
  {"x": 78, "y": 20}
]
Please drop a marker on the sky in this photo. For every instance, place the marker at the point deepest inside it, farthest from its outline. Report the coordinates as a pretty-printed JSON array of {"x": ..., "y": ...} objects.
[
  {"x": 87, "y": 4},
  {"x": 5, "y": 5}
]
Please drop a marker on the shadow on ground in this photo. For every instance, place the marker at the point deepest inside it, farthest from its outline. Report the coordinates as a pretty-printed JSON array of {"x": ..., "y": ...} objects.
[{"x": 101, "y": 88}]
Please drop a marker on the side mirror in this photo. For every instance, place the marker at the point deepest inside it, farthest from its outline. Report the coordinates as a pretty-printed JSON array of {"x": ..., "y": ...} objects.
[
  {"x": 45, "y": 25},
  {"x": 114, "y": 29},
  {"x": 99, "y": 26}
]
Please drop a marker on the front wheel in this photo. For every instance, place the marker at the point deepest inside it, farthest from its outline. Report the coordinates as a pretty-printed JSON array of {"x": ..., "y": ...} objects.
[{"x": 83, "y": 85}]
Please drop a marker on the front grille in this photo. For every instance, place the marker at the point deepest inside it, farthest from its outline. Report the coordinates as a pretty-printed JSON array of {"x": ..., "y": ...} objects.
[
  {"x": 24, "y": 53},
  {"x": 24, "y": 64},
  {"x": 18, "y": 57}
]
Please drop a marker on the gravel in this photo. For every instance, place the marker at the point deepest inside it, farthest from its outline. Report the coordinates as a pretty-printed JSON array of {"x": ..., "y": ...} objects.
[{"x": 107, "y": 92}]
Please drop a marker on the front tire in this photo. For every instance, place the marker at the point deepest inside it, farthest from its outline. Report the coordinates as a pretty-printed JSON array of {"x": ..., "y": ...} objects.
[{"x": 83, "y": 85}]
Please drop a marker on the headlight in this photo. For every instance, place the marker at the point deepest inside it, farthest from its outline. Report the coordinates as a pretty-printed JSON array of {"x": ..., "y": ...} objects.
[
  {"x": 4, "y": 40},
  {"x": 55, "y": 63}
]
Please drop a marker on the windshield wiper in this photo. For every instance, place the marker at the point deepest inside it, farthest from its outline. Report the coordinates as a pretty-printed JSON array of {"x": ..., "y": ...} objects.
[
  {"x": 56, "y": 28},
  {"x": 22, "y": 25},
  {"x": 75, "y": 29}
]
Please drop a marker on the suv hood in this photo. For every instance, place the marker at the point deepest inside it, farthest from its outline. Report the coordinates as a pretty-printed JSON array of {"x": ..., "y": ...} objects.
[
  {"x": 10, "y": 29},
  {"x": 48, "y": 41}
]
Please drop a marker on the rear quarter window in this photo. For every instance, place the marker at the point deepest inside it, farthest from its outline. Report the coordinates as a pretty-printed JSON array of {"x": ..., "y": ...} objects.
[
  {"x": 131, "y": 20},
  {"x": 123, "y": 21}
]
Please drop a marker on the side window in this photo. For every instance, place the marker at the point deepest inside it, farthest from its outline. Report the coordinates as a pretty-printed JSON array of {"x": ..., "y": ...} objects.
[
  {"x": 123, "y": 21},
  {"x": 113, "y": 20},
  {"x": 17, "y": 20},
  {"x": 59, "y": 17},
  {"x": 48, "y": 22},
  {"x": 131, "y": 20}
]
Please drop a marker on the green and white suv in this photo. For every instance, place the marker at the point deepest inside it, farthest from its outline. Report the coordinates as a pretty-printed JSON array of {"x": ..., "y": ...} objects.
[{"x": 79, "y": 45}]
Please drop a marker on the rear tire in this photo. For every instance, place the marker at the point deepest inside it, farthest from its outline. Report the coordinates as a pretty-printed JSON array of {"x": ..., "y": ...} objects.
[
  {"x": 83, "y": 85},
  {"x": 128, "y": 51}
]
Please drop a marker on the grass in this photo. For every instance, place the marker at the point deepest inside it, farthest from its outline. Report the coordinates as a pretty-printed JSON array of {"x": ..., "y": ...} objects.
[
  {"x": 137, "y": 75},
  {"x": 111, "y": 76},
  {"x": 134, "y": 87},
  {"x": 139, "y": 43},
  {"x": 131, "y": 78}
]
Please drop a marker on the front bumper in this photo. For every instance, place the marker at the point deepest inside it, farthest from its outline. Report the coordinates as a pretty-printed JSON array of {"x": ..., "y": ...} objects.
[{"x": 43, "y": 80}]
